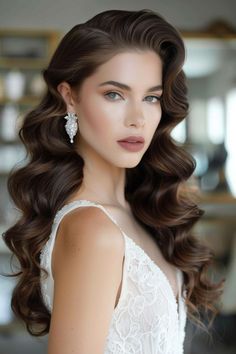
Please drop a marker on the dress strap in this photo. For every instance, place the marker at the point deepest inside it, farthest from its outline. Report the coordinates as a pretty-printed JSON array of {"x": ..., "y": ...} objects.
[
  {"x": 82, "y": 202},
  {"x": 48, "y": 247}
]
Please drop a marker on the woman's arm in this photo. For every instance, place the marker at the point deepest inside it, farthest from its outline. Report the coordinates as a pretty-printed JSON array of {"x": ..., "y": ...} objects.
[{"x": 88, "y": 256}]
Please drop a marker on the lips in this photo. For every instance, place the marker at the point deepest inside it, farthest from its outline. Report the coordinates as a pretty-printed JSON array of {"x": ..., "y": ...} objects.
[{"x": 133, "y": 139}]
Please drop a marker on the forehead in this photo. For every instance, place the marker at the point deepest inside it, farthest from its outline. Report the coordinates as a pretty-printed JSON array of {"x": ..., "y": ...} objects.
[
  {"x": 131, "y": 63},
  {"x": 137, "y": 69}
]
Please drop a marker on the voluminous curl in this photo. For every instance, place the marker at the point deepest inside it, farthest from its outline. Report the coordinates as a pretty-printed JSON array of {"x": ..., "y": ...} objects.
[{"x": 154, "y": 188}]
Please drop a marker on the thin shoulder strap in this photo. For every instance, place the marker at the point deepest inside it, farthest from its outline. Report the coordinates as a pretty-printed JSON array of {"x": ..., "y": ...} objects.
[
  {"x": 81, "y": 202},
  {"x": 47, "y": 250}
]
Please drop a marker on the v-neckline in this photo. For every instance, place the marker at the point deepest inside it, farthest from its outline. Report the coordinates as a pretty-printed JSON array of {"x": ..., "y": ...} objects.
[
  {"x": 157, "y": 266},
  {"x": 176, "y": 300},
  {"x": 151, "y": 261}
]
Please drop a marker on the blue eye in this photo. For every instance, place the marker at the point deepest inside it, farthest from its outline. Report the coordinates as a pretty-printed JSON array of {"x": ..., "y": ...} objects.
[
  {"x": 158, "y": 99},
  {"x": 108, "y": 94},
  {"x": 111, "y": 95}
]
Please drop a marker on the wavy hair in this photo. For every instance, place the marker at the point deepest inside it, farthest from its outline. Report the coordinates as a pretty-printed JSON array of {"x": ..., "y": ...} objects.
[{"x": 155, "y": 188}]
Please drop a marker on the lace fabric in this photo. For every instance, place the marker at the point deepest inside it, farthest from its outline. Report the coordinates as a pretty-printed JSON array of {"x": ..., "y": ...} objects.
[{"x": 147, "y": 319}]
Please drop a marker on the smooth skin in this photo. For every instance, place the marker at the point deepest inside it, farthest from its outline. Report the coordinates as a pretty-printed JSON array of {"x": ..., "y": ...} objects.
[{"x": 88, "y": 256}]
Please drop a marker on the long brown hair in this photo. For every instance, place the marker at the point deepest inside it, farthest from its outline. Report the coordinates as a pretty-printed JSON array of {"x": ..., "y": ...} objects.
[{"x": 153, "y": 188}]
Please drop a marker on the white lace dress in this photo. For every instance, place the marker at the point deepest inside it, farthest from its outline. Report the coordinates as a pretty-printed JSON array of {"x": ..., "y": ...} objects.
[{"x": 147, "y": 318}]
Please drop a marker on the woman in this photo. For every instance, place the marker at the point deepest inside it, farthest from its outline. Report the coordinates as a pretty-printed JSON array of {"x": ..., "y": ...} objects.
[{"x": 108, "y": 263}]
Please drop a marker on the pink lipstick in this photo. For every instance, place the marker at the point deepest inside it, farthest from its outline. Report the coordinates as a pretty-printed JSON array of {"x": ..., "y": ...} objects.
[{"x": 132, "y": 143}]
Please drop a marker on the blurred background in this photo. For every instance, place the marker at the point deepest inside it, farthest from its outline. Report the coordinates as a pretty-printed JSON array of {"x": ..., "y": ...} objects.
[{"x": 29, "y": 33}]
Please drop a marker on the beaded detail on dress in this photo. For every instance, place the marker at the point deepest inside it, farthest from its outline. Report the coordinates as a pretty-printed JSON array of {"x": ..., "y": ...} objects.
[{"x": 147, "y": 319}]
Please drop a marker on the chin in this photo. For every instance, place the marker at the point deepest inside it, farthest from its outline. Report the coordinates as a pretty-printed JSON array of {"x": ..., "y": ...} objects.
[{"x": 132, "y": 163}]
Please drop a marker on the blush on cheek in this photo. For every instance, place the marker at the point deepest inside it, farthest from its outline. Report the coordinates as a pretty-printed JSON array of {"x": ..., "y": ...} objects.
[{"x": 95, "y": 121}]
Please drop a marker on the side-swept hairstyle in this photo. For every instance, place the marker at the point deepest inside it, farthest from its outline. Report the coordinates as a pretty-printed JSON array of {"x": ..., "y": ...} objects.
[{"x": 154, "y": 188}]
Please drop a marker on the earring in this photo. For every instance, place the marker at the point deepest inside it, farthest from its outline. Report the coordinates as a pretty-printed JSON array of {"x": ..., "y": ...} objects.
[{"x": 71, "y": 125}]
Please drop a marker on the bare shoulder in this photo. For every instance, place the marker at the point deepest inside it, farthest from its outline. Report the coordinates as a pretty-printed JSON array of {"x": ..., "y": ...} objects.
[
  {"x": 89, "y": 227},
  {"x": 88, "y": 261}
]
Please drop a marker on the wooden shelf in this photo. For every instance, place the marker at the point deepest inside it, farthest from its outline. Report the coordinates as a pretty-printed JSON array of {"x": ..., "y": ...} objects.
[
  {"x": 217, "y": 198},
  {"x": 23, "y": 63},
  {"x": 25, "y": 100},
  {"x": 51, "y": 36}
]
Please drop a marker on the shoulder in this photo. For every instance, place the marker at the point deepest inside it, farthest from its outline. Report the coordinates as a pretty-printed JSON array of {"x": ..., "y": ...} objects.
[
  {"x": 89, "y": 253},
  {"x": 90, "y": 230}
]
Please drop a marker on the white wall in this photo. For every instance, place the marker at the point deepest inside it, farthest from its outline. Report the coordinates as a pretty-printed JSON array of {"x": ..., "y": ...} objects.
[{"x": 64, "y": 14}]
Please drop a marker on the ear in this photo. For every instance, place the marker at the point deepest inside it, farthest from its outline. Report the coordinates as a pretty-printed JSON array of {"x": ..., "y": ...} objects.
[{"x": 65, "y": 91}]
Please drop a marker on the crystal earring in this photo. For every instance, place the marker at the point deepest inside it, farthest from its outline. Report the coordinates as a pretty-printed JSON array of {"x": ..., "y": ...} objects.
[{"x": 71, "y": 125}]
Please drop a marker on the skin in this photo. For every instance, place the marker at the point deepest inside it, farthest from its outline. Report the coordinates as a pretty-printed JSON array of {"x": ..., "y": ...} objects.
[{"x": 105, "y": 118}]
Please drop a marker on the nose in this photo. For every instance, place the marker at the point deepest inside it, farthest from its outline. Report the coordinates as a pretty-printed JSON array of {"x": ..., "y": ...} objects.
[{"x": 135, "y": 116}]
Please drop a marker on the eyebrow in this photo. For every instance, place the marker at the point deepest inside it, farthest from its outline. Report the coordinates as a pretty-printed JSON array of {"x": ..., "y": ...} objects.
[{"x": 128, "y": 88}]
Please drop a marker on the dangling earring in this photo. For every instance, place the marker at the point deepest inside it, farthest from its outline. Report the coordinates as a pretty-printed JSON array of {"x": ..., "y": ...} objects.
[{"x": 71, "y": 125}]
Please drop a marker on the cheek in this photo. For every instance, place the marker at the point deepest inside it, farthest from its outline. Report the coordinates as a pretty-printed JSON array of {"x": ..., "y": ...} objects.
[
  {"x": 155, "y": 122},
  {"x": 97, "y": 120},
  {"x": 157, "y": 117}
]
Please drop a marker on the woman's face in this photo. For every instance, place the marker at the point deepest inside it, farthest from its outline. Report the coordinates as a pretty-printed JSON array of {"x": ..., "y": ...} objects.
[{"x": 108, "y": 112}]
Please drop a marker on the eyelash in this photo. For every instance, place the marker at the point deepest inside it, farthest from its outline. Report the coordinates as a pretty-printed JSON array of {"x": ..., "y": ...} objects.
[{"x": 158, "y": 98}]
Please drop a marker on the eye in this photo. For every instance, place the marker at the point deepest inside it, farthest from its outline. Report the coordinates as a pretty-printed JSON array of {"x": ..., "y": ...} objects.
[
  {"x": 111, "y": 95},
  {"x": 156, "y": 97}
]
